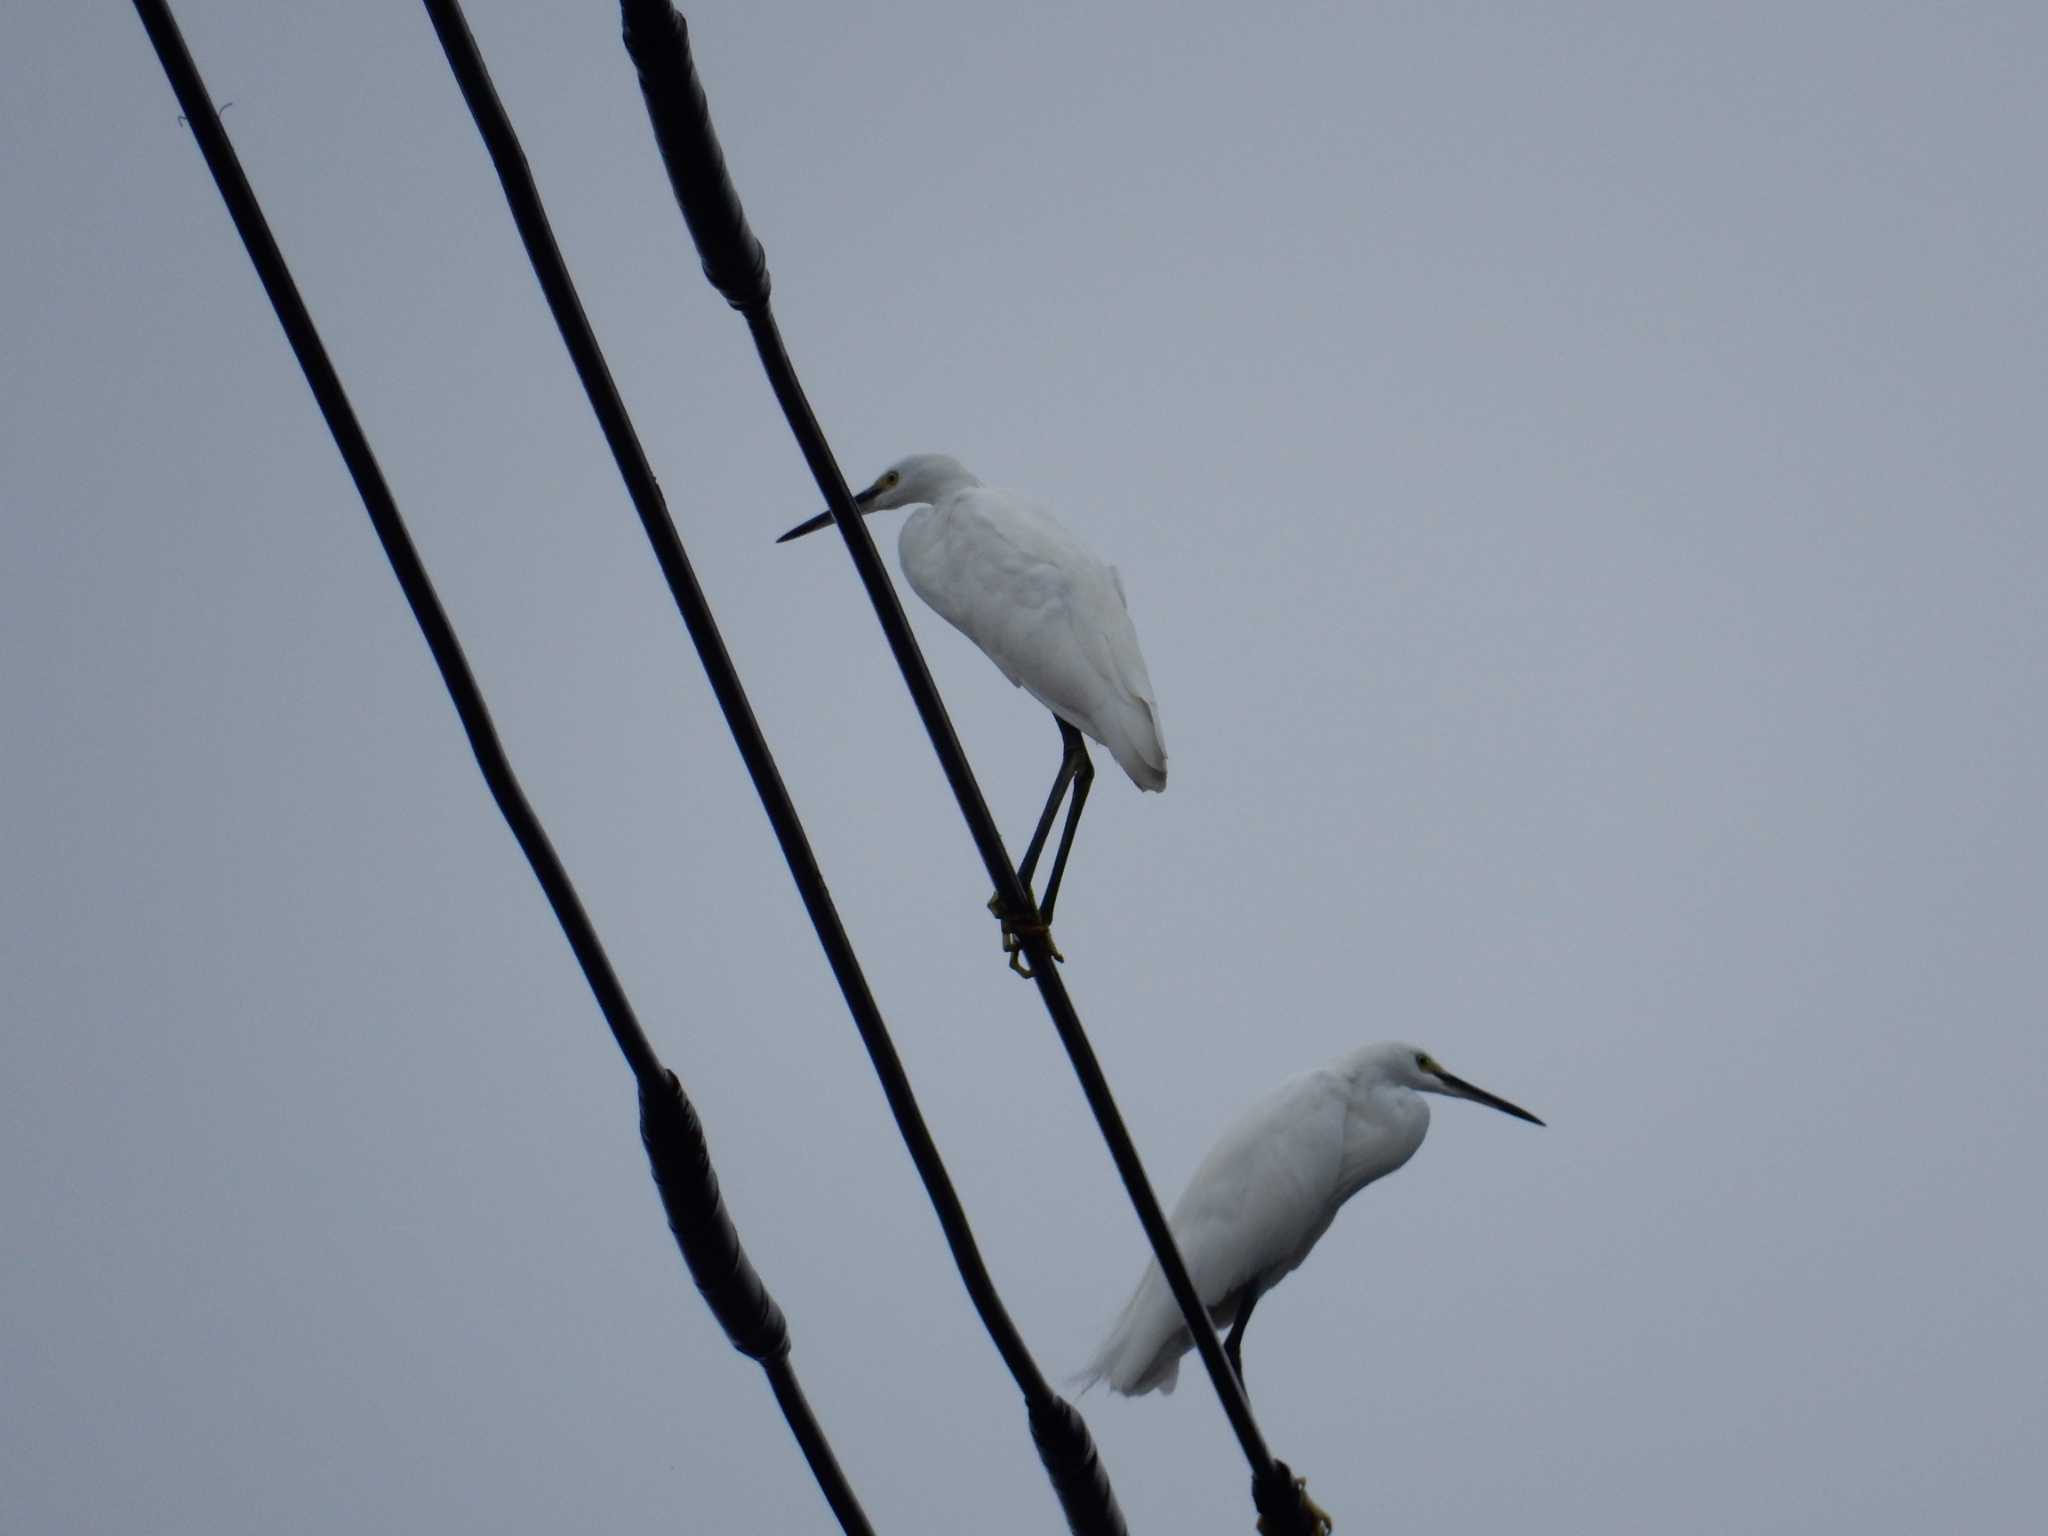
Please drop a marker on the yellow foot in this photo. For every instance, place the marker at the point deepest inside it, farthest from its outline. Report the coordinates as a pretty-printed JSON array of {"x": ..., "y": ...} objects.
[
  {"x": 1016, "y": 930},
  {"x": 1319, "y": 1518}
]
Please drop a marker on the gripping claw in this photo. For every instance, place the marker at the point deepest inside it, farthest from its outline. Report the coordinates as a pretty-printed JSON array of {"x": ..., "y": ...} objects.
[{"x": 1016, "y": 930}]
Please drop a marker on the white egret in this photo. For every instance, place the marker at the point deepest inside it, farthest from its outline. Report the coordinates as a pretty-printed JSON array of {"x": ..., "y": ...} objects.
[
  {"x": 1050, "y": 614},
  {"x": 1268, "y": 1190}
]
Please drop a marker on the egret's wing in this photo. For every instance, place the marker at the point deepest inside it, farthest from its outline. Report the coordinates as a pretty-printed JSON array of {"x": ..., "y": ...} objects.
[
  {"x": 1125, "y": 660},
  {"x": 1005, "y": 573},
  {"x": 1048, "y": 612},
  {"x": 1266, "y": 1191},
  {"x": 1263, "y": 1195},
  {"x": 1113, "y": 648}
]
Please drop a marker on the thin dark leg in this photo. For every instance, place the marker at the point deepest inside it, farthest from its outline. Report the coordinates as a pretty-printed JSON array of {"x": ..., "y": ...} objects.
[
  {"x": 1083, "y": 777},
  {"x": 1233, "y": 1347},
  {"x": 1073, "y": 756},
  {"x": 1073, "y": 761}
]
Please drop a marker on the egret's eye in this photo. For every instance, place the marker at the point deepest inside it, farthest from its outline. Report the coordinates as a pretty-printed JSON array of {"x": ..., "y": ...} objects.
[
  {"x": 891, "y": 478},
  {"x": 1422, "y": 1060}
]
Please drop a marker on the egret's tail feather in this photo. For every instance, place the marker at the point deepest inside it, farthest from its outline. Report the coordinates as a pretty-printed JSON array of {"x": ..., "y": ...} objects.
[
  {"x": 1137, "y": 745},
  {"x": 1142, "y": 1353}
]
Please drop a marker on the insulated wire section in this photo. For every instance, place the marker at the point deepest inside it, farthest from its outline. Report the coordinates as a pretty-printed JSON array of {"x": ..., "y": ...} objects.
[
  {"x": 681, "y": 1160},
  {"x": 676, "y": 1149},
  {"x": 657, "y": 40},
  {"x": 1062, "y": 1438}
]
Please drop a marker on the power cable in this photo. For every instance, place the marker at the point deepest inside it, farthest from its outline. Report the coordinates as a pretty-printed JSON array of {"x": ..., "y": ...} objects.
[{"x": 676, "y": 1148}]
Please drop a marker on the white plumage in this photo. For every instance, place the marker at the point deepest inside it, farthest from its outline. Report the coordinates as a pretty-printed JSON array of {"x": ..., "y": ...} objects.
[{"x": 1268, "y": 1190}]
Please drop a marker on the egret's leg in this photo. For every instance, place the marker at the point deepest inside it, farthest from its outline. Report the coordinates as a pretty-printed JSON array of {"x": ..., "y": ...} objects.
[
  {"x": 1233, "y": 1347},
  {"x": 1083, "y": 778},
  {"x": 1073, "y": 756},
  {"x": 1016, "y": 926}
]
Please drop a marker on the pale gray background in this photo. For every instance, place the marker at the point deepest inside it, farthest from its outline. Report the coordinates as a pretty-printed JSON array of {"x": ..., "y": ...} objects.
[{"x": 1578, "y": 473}]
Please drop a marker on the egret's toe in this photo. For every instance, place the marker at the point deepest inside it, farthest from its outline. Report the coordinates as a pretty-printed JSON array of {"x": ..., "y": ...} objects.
[{"x": 1016, "y": 930}]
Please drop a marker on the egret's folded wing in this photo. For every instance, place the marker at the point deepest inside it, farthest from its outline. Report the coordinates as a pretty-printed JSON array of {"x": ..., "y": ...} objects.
[
  {"x": 1048, "y": 612},
  {"x": 1266, "y": 1190},
  {"x": 1252, "y": 1209}
]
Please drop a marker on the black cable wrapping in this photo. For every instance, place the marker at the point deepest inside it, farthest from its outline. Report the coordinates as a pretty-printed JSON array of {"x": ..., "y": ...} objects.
[
  {"x": 1068, "y": 1452},
  {"x": 681, "y": 1160},
  {"x": 658, "y": 42}
]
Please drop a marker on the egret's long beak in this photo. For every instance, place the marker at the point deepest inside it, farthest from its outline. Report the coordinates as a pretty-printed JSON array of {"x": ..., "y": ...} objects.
[
  {"x": 824, "y": 519},
  {"x": 1465, "y": 1090}
]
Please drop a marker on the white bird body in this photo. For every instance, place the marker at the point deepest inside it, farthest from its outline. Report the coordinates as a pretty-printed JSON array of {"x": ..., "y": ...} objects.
[
  {"x": 1268, "y": 1191},
  {"x": 1001, "y": 569}
]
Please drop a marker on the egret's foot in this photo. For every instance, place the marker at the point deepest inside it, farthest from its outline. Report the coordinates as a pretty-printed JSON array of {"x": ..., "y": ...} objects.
[
  {"x": 1016, "y": 930},
  {"x": 1318, "y": 1517}
]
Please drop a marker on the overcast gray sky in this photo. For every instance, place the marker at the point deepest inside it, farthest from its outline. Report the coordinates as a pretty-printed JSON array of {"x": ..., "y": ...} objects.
[{"x": 1578, "y": 475}]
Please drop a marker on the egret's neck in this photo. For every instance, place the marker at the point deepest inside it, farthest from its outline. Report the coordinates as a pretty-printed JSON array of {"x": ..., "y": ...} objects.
[
  {"x": 938, "y": 481},
  {"x": 1399, "y": 1107},
  {"x": 1386, "y": 1124}
]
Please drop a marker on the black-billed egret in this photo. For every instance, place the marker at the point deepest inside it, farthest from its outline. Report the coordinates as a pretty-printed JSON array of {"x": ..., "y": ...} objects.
[
  {"x": 1050, "y": 614},
  {"x": 1268, "y": 1189}
]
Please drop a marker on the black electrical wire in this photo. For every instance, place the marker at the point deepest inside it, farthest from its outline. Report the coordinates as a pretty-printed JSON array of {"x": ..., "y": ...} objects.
[
  {"x": 1062, "y": 1438},
  {"x": 657, "y": 40},
  {"x": 677, "y": 1153}
]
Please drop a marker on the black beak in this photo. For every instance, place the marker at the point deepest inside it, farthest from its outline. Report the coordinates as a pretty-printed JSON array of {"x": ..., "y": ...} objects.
[
  {"x": 1480, "y": 1096},
  {"x": 824, "y": 519}
]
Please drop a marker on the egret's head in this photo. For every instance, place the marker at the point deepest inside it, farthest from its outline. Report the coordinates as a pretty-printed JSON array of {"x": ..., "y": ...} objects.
[
  {"x": 1413, "y": 1067},
  {"x": 920, "y": 478}
]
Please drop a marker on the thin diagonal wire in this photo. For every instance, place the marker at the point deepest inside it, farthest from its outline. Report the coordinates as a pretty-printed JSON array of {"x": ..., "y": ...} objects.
[
  {"x": 735, "y": 265},
  {"x": 460, "y": 681},
  {"x": 967, "y": 791},
  {"x": 1083, "y": 1486}
]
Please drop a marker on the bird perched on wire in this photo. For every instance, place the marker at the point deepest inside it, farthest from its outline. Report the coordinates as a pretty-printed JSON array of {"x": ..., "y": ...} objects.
[
  {"x": 1268, "y": 1190},
  {"x": 1048, "y": 612}
]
